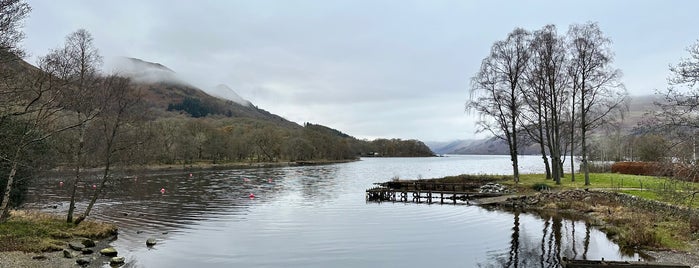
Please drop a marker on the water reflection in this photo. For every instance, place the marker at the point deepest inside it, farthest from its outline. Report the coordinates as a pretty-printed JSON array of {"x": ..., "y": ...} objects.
[
  {"x": 316, "y": 216},
  {"x": 559, "y": 237}
]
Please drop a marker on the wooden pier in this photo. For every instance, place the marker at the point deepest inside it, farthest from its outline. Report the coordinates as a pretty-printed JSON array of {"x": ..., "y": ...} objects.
[{"x": 428, "y": 192}]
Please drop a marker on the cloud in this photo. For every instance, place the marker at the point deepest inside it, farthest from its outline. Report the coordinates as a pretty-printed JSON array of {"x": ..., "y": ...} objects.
[{"x": 369, "y": 68}]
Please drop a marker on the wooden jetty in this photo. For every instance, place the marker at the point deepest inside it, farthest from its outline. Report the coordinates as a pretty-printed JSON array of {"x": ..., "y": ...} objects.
[
  {"x": 618, "y": 264},
  {"x": 427, "y": 191}
]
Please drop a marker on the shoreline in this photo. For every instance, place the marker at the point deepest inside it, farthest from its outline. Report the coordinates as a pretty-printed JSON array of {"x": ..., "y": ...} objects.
[
  {"x": 194, "y": 167},
  {"x": 608, "y": 211}
]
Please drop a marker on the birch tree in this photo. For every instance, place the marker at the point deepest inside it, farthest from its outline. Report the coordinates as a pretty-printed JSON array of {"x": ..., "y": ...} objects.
[
  {"x": 496, "y": 90},
  {"x": 602, "y": 96}
]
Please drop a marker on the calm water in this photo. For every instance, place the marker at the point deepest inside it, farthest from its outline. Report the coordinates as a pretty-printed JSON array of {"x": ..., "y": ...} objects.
[{"x": 317, "y": 216}]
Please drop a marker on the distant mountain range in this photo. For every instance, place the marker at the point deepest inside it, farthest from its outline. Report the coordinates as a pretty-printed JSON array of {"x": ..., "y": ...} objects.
[{"x": 638, "y": 107}]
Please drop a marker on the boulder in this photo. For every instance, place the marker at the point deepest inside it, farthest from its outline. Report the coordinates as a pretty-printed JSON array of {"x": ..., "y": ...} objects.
[
  {"x": 67, "y": 254},
  {"x": 117, "y": 260},
  {"x": 76, "y": 246},
  {"x": 88, "y": 243},
  {"x": 39, "y": 257},
  {"x": 151, "y": 242},
  {"x": 82, "y": 261},
  {"x": 87, "y": 251},
  {"x": 110, "y": 252}
]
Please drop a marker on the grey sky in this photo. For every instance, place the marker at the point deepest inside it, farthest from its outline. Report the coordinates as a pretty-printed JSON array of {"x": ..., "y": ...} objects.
[{"x": 396, "y": 69}]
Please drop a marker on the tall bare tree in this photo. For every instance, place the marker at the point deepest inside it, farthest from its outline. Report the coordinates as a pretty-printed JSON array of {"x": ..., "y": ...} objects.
[
  {"x": 602, "y": 96},
  {"x": 78, "y": 63},
  {"x": 121, "y": 108},
  {"x": 548, "y": 82},
  {"x": 496, "y": 90}
]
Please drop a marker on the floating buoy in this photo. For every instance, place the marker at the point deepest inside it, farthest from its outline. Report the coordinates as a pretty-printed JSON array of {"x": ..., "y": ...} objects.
[
  {"x": 94, "y": 186},
  {"x": 269, "y": 180},
  {"x": 162, "y": 190},
  {"x": 60, "y": 183},
  {"x": 252, "y": 195},
  {"x": 190, "y": 175},
  {"x": 246, "y": 179}
]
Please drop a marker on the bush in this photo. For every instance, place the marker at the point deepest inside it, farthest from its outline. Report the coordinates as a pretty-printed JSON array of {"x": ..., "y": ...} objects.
[{"x": 642, "y": 168}]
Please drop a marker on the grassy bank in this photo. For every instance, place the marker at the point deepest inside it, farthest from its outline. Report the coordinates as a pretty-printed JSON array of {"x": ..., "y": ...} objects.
[
  {"x": 32, "y": 231},
  {"x": 629, "y": 225}
]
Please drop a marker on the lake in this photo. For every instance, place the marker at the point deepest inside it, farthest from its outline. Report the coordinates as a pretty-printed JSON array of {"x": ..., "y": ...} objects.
[{"x": 317, "y": 216}]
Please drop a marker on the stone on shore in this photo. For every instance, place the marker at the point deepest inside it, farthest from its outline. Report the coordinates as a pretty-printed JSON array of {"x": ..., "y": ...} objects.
[
  {"x": 117, "y": 260},
  {"x": 67, "y": 254},
  {"x": 87, "y": 251},
  {"x": 82, "y": 261},
  {"x": 76, "y": 246},
  {"x": 110, "y": 252},
  {"x": 151, "y": 242},
  {"x": 88, "y": 243}
]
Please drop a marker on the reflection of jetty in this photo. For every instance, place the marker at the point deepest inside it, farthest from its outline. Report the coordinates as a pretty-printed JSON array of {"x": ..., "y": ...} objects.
[
  {"x": 430, "y": 192},
  {"x": 618, "y": 264}
]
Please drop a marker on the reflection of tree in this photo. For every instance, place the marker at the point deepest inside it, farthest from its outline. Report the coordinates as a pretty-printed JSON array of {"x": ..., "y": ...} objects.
[
  {"x": 543, "y": 241},
  {"x": 559, "y": 237},
  {"x": 514, "y": 243},
  {"x": 586, "y": 243}
]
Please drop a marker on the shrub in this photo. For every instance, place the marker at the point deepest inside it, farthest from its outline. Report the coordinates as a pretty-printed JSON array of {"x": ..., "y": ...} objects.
[{"x": 642, "y": 168}]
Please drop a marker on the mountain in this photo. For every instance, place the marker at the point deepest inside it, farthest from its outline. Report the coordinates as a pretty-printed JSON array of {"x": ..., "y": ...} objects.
[
  {"x": 225, "y": 92},
  {"x": 165, "y": 91},
  {"x": 638, "y": 107}
]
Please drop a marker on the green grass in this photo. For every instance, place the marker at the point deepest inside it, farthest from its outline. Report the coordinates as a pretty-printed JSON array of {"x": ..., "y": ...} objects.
[
  {"x": 648, "y": 187},
  {"x": 36, "y": 232}
]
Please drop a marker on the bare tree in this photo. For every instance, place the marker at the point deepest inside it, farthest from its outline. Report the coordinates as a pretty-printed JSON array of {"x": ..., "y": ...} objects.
[
  {"x": 681, "y": 99},
  {"x": 548, "y": 85},
  {"x": 496, "y": 90},
  {"x": 602, "y": 96},
  {"x": 78, "y": 62},
  {"x": 12, "y": 15},
  {"x": 120, "y": 110},
  {"x": 36, "y": 113}
]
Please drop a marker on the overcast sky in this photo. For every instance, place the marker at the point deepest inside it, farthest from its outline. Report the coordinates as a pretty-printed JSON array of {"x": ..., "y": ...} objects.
[{"x": 395, "y": 69}]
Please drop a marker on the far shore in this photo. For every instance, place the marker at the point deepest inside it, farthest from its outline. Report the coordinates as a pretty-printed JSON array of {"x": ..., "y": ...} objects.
[{"x": 198, "y": 166}]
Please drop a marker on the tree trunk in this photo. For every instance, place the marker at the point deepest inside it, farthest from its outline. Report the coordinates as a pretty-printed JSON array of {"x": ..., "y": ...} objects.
[
  {"x": 78, "y": 163},
  {"x": 513, "y": 148},
  {"x": 583, "y": 136},
  {"x": 5, "y": 206}
]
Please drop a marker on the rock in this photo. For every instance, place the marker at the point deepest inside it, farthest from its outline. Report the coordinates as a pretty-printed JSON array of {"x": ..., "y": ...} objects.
[
  {"x": 117, "y": 260},
  {"x": 87, "y": 251},
  {"x": 110, "y": 251},
  {"x": 88, "y": 243},
  {"x": 67, "y": 254},
  {"x": 82, "y": 261},
  {"x": 76, "y": 246},
  {"x": 39, "y": 257},
  {"x": 151, "y": 242}
]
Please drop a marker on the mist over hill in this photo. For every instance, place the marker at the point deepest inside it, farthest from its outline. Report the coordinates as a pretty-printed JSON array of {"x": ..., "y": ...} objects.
[{"x": 638, "y": 107}]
